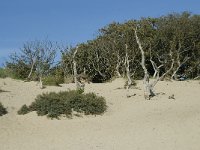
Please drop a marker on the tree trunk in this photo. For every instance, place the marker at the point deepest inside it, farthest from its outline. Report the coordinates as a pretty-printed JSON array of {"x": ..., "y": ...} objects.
[
  {"x": 41, "y": 83},
  {"x": 75, "y": 73},
  {"x": 118, "y": 65},
  {"x": 128, "y": 69},
  {"x": 32, "y": 66},
  {"x": 117, "y": 71},
  {"x": 148, "y": 88},
  {"x": 78, "y": 84},
  {"x": 84, "y": 71},
  {"x": 179, "y": 52},
  {"x": 128, "y": 77},
  {"x": 75, "y": 70},
  {"x": 155, "y": 73},
  {"x": 197, "y": 77},
  {"x": 174, "y": 75}
]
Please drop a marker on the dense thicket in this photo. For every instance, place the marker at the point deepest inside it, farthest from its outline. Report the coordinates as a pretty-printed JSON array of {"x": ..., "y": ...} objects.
[
  {"x": 173, "y": 37},
  {"x": 114, "y": 52}
]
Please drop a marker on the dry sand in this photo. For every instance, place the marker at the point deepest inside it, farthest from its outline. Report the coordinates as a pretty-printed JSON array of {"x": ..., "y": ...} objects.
[{"x": 129, "y": 124}]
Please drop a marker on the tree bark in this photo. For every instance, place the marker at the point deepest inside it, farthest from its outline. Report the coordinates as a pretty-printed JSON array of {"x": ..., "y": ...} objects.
[
  {"x": 118, "y": 65},
  {"x": 75, "y": 69},
  {"x": 127, "y": 62},
  {"x": 31, "y": 71}
]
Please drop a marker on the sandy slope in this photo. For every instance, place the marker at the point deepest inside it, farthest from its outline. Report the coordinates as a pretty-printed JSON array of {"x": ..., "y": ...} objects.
[{"x": 129, "y": 124}]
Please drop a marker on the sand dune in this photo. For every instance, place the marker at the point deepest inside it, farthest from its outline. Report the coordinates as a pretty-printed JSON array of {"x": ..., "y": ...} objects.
[{"x": 129, "y": 123}]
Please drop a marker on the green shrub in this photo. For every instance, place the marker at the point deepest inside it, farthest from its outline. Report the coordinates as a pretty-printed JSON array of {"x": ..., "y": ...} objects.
[
  {"x": 55, "y": 104},
  {"x": 19, "y": 70},
  {"x": 3, "y": 73},
  {"x": 23, "y": 110},
  {"x": 50, "y": 104},
  {"x": 52, "y": 81},
  {"x": 3, "y": 110},
  {"x": 94, "y": 104}
]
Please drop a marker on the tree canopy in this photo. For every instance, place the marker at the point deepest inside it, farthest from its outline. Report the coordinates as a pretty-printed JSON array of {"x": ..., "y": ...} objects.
[{"x": 114, "y": 51}]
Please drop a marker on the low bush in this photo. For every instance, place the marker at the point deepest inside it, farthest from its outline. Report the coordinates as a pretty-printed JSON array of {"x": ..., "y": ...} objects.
[
  {"x": 19, "y": 70},
  {"x": 64, "y": 103},
  {"x": 3, "y": 73},
  {"x": 93, "y": 104},
  {"x": 23, "y": 110},
  {"x": 52, "y": 81},
  {"x": 3, "y": 110}
]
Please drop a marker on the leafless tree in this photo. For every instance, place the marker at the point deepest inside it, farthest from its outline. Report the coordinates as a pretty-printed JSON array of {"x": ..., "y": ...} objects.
[
  {"x": 30, "y": 54},
  {"x": 45, "y": 58}
]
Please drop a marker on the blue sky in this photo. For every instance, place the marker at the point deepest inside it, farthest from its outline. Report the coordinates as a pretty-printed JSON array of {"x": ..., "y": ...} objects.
[{"x": 74, "y": 21}]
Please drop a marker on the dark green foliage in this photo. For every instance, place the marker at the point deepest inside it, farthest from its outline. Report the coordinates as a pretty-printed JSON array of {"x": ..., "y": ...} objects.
[
  {"x": 80, "y": 90},
  {"x": 7, "y": 72},
  {"x": 55, "y": 104},
  {"x": 103, "y": 56},
  {"x": 52, "y": 81},
  {"x": 3, "y": 110},
  {"x": 93, "y": 104},
  {"x": 18, "y": 70},
  {"x": 51, "y": 104},
  {"x": 23, "y": 110},
  {"x": 3, "y": 73}
]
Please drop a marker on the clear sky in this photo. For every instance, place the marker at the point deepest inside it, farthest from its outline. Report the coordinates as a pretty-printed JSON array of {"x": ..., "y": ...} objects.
[{"x": 74, "y": 21}]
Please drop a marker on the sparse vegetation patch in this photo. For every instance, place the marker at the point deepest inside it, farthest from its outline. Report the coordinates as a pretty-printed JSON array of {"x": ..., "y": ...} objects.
[
  {"x": 64, "y": 103},
  {"x": 3, "y": 110}
]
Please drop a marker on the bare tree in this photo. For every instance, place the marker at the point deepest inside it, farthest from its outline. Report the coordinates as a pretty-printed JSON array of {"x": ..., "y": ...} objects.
[
  {"x": 30, "y": 54},
  {"x": 149, "y": 86},
  {"x": 45, "y": 58}
]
